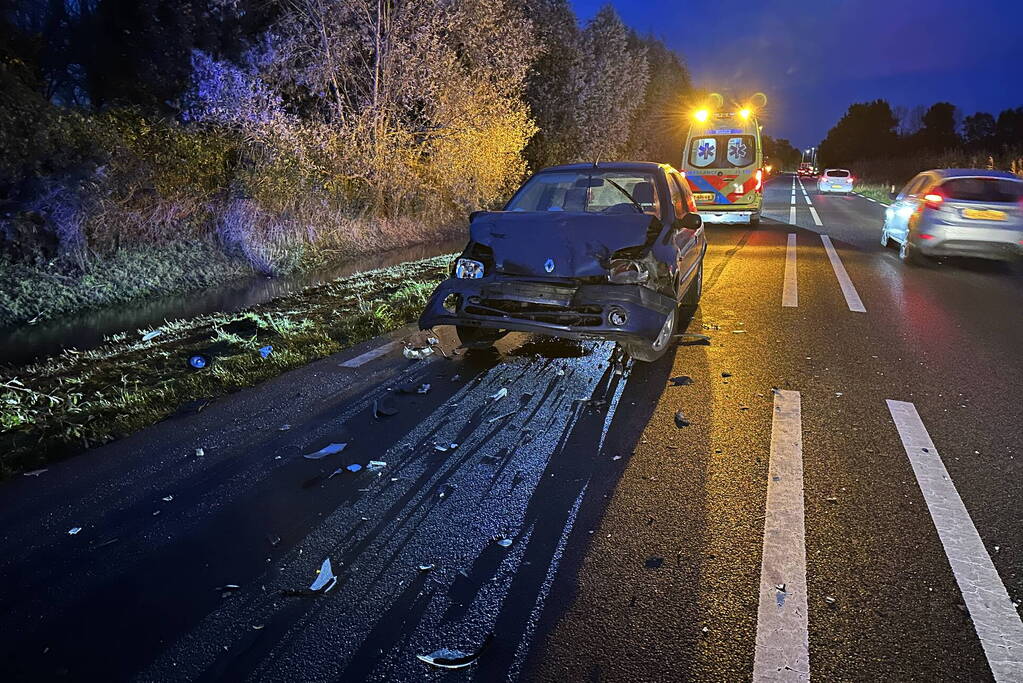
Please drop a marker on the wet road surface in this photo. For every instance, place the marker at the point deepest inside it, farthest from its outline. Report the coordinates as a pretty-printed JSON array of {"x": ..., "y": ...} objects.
[{"x": 843, "y": 502}]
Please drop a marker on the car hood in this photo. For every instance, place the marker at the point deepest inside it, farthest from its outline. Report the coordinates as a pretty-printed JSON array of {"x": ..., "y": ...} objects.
[{"x": 556, "y": 244}]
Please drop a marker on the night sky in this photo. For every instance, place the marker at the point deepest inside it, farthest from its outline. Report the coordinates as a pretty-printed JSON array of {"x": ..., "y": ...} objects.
[{"x": 815, "y": 57}]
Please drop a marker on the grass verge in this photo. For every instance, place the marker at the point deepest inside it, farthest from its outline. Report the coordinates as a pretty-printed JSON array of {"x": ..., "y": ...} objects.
[
  {"x": 76, "y": 400},
  {"x": 878, "y": 192}
]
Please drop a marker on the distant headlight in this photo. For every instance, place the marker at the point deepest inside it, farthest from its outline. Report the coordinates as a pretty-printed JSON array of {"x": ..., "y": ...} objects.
[
  {"x": 468, "y": 269},
  {"x": 628, "y": 272}
]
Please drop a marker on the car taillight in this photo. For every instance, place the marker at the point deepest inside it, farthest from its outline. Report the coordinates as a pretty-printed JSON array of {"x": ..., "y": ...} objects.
[
  {"x": 760, "y": 180},
  {"x": 933, "y": 200}
]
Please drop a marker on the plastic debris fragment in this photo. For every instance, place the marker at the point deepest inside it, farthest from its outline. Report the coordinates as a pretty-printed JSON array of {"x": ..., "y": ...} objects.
[
  {"x": 383, "y": 408},
  {"x": 354, "y": 467},
  {"x": 151, "y": 335},
  {"x": 417, "y": 354},
  {"x": 439, "y": 448},
  {"x": 830, "y": 600},
  {"x": 446, "y": 658},
  {"x": 423, "y": 388},
  {"x": 374, "y": 465},
  {"x": 198, "y": 361},
  {"x": 680, "y": 420},
  {"x": 504, "y": 542},
  {"x": 325, "y": 579},
  {"x": 325, "y": 451},
  {"x": 168, "y": 499},
  {"x": 501, "y": 393},
  {"x": 426, "y": 567},
  {"x": 681, "y": 381},
  {"x": 284, "y": 428},
  {"x": 73, "y": 530},
  {"x": 265, "y": 351},
  {"x": 36, "y": 473}
]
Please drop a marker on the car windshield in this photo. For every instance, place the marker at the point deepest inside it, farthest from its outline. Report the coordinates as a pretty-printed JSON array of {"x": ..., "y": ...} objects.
[
  {"x": 996, "y": 190},
  {"x": 588, "y": 191},
  {"x": 722, "y": 151},
  {"x": 838, "y": 174}
]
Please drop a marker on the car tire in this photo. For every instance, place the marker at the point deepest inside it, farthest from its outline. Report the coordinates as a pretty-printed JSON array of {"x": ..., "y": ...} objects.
[
  {"x": 648, "y": 352},
  {"x": 478, "y": 337},
  {"x": 754, "y": 221},
  {"x": 691, "y": 297},
  {"x": 911, "y": 255}
]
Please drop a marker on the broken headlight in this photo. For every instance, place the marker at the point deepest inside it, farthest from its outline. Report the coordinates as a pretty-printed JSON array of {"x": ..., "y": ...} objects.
[
  {"x": 628, "y": 272},
  {"x": 468, "y": 269}
]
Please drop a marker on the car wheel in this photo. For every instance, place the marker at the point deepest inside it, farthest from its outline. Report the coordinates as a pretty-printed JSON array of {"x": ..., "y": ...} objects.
[
  {"x": 911, "y": 255},
  {"x": 754, "y": 221},
  {"x": 691, "y": 297},
  {"x": 478, "y": 337},
  {"x": 649, "y": 352}
]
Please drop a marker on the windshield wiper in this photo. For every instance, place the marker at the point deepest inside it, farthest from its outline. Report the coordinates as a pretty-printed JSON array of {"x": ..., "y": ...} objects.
[{"x": 626, "y": 193}]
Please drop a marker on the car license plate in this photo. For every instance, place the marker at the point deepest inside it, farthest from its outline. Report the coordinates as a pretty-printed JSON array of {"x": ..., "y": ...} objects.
[
  {"x": 836, "y": 187},
  {"x": 703, "y": 196},
  {"x": 984, "y": 214}
]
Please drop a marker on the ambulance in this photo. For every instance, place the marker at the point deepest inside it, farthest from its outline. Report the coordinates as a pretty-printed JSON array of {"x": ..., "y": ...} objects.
[{"x": 724, "y": 165}]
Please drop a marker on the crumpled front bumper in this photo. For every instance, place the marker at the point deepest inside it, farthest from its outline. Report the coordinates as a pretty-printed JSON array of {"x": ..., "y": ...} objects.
[{"x": 559, "y": 309}]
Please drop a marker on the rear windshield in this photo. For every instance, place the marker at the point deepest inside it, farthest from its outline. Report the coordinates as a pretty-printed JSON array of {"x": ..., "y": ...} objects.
[
  {"x": 1000, "y": 190},
  {"x": 722, "y": 151},
  {"x": 587, "y": 191},
  {"x": 838, "y": 174}
]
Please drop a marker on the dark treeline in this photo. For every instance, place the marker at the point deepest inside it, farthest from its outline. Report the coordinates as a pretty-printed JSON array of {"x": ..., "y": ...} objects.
[
  {"x": 271, "y": 129},
  {"x": 891, "y": 145}
]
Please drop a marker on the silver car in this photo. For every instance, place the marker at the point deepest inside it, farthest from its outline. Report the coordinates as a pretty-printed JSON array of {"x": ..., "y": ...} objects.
[
  {"x": 835, "y": 180},
  {"x": 957, "y": 212}
]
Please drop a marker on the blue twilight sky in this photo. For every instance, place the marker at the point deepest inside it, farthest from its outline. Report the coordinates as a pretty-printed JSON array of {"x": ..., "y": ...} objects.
[{"x": 813, "y": 58}]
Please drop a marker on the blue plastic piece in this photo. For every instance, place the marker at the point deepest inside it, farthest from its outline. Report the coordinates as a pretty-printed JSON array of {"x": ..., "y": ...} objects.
[
  {"x": 266, "y": 351},
  {"x": 198, "y": 361}
]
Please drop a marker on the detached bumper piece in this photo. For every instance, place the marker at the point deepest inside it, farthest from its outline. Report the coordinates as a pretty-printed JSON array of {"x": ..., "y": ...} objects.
[
  {"x": 588, "y": 311},
  {"x": 728, "y": 217}
]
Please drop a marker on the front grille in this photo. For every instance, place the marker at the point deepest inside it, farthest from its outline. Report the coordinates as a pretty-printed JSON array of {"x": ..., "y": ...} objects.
[{"x": 575, "y": 316}]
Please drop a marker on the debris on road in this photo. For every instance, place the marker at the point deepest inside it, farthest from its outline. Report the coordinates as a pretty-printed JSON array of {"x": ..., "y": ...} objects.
[
  {"x": 36, "y": 473},
  {"x": 73, "y": 530},
  {"x": 325, "y": 579},
  {"x": 830, "y": 600},
  {"x": 274, "y": 541},
  {"x": 383, "y": 407},
  {"x": 694, "y": 340},
  {"x": 726, "y": 374},
  {"x": 738, "y": 331},
  {"x": 501, "y": 393},
  {"x": 423, "y": 389},
  {"x": 354, "y": 467},
  {"x": 617, "y": 457},
  {"x": 501, "y": 417},
  {"x": 325, "y": 451},
  {"x": 199, "y": 452},
  {"x": 446, "y": 658},
  {"x": 681, "y": 381},
  {"x": 426, "y": 567},
  {"x": 284, "y": 428},
  {"x": 503, "y": 542},
  {"x": 653, "y": 562},
  {"x": 148, "y": 336},
  {"x": 265, "y": 351},
  {"x": 680, "y": 420},
  {"x": 417, "y": 354},
  {"x": 374, "y": 465},
  {"x": 168, "y": 499},
  {"x": 197, "y": 361},
  {"x": 446, "y": 490},
  {"x": 439, "y": 448}
]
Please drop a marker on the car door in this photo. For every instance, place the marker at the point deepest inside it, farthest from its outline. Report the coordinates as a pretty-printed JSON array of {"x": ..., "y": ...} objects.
[
  {"x": 903, "y": 207},
  {"x": 689, "y": 243}
]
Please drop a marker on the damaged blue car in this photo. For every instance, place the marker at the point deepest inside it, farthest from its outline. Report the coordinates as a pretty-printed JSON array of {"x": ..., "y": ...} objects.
[{"x": 606, "y": 251}]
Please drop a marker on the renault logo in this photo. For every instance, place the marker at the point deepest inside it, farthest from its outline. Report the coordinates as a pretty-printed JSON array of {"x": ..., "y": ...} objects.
[{"x": 549, "y": 266}]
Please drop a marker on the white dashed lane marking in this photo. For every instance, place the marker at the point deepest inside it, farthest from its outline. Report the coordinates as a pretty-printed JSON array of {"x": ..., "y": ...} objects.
[
  {"x": 994, "y": 617},
  {"x": 783, "y": 645},
  {"x": 790, "y": 293},
  {"x": 852, "y": 298},
  {"x": 368, "y": 356}
]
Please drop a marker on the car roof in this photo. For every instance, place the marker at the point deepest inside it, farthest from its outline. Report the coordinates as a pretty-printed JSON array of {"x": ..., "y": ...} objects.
[
  {"x": 609, "y": 166},
  {"x": 973, "y": 173}
]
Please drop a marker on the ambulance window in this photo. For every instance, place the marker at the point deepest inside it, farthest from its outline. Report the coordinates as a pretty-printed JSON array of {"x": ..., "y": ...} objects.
[
  {"x": 703, "y": 152},
  {"x": 741, "y": 150}
]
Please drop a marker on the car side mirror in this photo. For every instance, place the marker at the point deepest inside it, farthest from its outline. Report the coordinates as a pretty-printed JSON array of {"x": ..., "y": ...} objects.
[
  {"x": 690, "y": 221},
  {"x": 893, "y": 195}
]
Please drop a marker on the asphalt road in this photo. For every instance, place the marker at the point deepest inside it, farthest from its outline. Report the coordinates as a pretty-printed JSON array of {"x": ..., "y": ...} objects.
[{"x": 790, "y": 529}]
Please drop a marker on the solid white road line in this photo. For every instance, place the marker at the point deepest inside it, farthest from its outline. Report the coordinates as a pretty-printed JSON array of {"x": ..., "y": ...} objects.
[
  {"x": 783, "y": 645},
  {"x": 789, "y": 292},
  {"x": 852, "y": 298},
  {"x": 368, "y": 356},
  {"x": 994, "y": 617}
]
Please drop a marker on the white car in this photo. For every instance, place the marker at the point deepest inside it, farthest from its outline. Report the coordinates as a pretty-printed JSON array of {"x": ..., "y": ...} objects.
[{"x": 835, "y": 180}]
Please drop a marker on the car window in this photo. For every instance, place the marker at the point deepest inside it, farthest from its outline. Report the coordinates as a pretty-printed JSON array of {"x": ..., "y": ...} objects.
[
  {"x": 837, "y": 173},
  {"x": 677, "y": 196},
  {"x": 687, "y": 195},
  {"x": 587, "y": 191},
  {"x": 995, "y": 190},
  {"x": 912, "y": 186}
]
